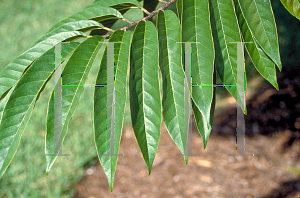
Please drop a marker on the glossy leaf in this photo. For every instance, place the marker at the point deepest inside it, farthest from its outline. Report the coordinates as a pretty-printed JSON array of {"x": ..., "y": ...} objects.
[
  {"x": 94, "y": 12},
  {"x": 71, "y": 26},
  {"x": 14, "y": 70},
  {"x": 259, "y": 17},
  {"x": 196, "y": 27},
  {"x": 101, "y": 125},
  {"x": 20, "y": 104},
  {"x": 74, "y": 74},
  {"x": 169, "y": 32},
  {"x": 261, "y": 61},
  {"x": 145, "y": 102},
  {"x": 200, "y": 122},
  {"x": 225, "y": 30},
  {"x": 293, "y": 6}
]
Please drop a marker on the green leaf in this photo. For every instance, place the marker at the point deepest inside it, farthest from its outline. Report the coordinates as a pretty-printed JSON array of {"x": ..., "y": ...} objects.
[
  {"x": 93, "y": 12},
  {"x": 118, "y": 4},
  {"x": 200, "y": 122},
  {"x": 259, "y": 17},
  {"x": 101, "y": 125},
  {"x": 121, "y": 5},
  {"x": 225, "y": 30},
  {"x": 71, "y": 26},
  {"x": 263, "y": 64},
  {"x": 145, "y": 102},
  {"x": 74, "y": 74},
  {"x": 197, "y": 28},
  {"x": 169, "y": 32},
  {"x": 179, "y": 5},
  {"x": 293, "y": 6},
  {"x": 20, "y": 103},
  {"x": 14, "y": 70},
  {"x": 4, "y": 101}
]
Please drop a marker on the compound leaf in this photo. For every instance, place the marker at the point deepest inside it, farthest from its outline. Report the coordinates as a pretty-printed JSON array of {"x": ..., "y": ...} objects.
[{"x": 17, "y": 106}]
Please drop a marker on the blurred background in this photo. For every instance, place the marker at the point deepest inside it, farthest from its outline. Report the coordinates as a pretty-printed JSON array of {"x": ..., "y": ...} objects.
[{"x": 272, "y": 129}]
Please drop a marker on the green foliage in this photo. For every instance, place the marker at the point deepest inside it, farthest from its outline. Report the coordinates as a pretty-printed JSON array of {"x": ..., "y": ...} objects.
[
  {"x": 152, "y": 49},
  {"x": 293, "y": 6},
  {"x": 145, "y": 102},
  {"x": 102, "y": 140}
]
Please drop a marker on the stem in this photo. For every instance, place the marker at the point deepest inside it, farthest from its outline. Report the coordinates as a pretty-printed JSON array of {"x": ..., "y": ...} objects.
[{"x": 145, "y": 18}]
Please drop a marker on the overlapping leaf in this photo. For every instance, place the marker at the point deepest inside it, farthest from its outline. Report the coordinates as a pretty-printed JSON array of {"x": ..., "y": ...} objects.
[
  {"x": 118, "y": 4},
  {"x": 20, "y": 103},
  {"x": 169, "y": 32},
  {"x": 196, "y": 28},
  {"x": 121, "y": 51},
  {"x": 259, "y": 17},
  {"x": 14, "y": 70},
  {"x": 71, "y": 26},
  {"x": 94, "y": 11},
  {"x": 179, "y": 4},
  {"x": 225, "y": 30},
  {"x": 293, "y": 6},
  {"x": 264, "y": 65},
  {"x": 121, "y": 5},
  {"x": 74, "y": 73},
  {"x": 145, "y": 99}
]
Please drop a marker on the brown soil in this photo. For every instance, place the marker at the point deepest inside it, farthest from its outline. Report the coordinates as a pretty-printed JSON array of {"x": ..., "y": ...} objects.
[{"x": 272, "y": 135}]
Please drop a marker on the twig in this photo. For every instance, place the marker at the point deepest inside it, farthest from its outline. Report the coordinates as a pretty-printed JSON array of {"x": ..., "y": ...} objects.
[
  {"x": 145, "y": 18},
  {"x": 165, "y": 2}
]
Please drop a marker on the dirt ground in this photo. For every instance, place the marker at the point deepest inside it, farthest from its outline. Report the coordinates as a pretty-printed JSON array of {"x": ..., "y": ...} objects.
[{"x": 272, "y": 135}]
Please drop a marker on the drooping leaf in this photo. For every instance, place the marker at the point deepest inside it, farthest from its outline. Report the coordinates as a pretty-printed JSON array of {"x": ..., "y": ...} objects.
[
  {"x": 20, "y": 102},
  {"x": 226, "y": 31},
  {"x": 293, "y": 6},
  {"x": 261, "y": 61},
  {"x": 145, "y": 102},
  {"x": 73, "y": 75},
  {"x": 14, "y": 70},
  {"x": 169, "y": 32},
  {"x": 108, "y": 158},
  {"x": 94, "y": 12},
  {"x": 259, "y": 17},
  {"x": 196, "y": 28},
  {"x": 200, "y": 122}
]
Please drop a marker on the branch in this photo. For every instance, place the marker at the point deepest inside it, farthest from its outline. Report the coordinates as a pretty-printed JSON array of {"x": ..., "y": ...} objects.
[{"x": 145, "y": 18}]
